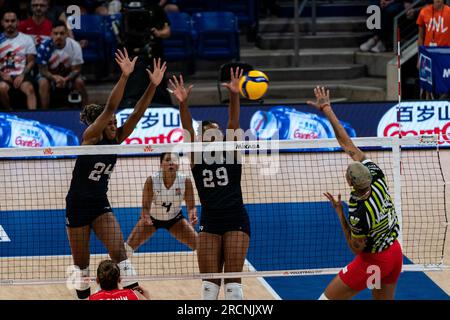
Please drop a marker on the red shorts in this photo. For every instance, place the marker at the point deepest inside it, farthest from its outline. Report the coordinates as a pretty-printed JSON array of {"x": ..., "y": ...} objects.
[{"x": 361, "y": 272}]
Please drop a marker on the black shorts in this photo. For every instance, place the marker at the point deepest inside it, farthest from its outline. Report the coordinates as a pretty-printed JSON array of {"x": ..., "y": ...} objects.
[
  {"x": 223, "y": 223},
  {"x": 82, "y": 211},
  {"x": 26, "y": 78},
  {"x": 167, "y": 224}
]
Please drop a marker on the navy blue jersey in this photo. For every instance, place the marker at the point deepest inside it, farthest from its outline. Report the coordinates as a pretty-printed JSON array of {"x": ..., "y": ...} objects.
[
  {"x": 91, "y": 174},
  {"x": 219, "y": 188}
]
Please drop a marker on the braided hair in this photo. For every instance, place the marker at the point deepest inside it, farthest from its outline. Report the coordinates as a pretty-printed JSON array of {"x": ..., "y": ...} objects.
[{"x": 91, "y": 112}]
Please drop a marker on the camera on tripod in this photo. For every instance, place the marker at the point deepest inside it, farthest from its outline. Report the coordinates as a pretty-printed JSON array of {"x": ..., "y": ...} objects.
[{"x": 137, "y": 36}]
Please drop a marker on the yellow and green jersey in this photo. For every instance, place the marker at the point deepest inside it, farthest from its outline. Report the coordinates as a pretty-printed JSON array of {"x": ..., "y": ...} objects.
[{"x": 374, "y": 218}]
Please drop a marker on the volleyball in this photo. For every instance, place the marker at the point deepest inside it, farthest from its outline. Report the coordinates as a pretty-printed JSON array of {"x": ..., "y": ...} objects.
[{"x": 254, "y": 85}]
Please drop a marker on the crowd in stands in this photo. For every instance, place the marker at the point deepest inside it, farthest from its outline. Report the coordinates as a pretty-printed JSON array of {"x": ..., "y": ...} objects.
[
  {"x": 38, "y": 55},
  {"x": 432, "y": 18},
  {"x": 41, "y": 57}
]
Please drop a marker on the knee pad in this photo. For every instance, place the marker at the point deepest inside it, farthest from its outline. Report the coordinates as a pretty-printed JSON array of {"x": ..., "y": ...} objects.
[
  {"x": 129, "y": 250},
  {"x": 233, "y": 291},
  {"x": 127, "y": 270},
  {"x": 210, "y": 290}
]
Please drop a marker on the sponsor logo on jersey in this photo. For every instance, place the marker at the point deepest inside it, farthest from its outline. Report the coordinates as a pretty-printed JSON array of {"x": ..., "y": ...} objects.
[{"x": 354, "y": 220}]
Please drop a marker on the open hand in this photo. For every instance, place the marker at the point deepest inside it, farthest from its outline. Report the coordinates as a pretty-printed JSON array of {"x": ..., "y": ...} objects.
[
  {"x": 124, "y": 62},
  {"x": 337, "y": 204},
  {"x": 178, "y": 89},
  {"x": 323, "y": 98},
  {"x": 236, "y": 76},
  {"x": 158, "y": 72}
]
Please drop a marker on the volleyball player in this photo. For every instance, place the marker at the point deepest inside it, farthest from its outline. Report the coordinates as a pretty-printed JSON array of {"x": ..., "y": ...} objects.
[
  {"x": 224, "y": 225},
  {"x": 372, "y": 228},
  {"x": 162, "y": 197},
  {"x": 87, "y": 205},
  {"x": 108, "y": 278}
]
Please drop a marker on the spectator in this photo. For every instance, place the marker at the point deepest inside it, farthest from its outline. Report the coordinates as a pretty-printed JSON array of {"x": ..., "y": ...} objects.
[
  {"x": 20, "y": 7},
  {"x": 60, "y": 59},
  {"x": 17, "y": 53},
  {"x": 382, "y": 38},
  {"x": 108, "y": 277},
  {"x": 434, "y": 24},
  {"x": 99, "y": 7},
  {"x": 147, "y": 44},
  {"x": 37, "y": 26},
  {"x": 269, "y": 8},
  {"x": 168, "y": 6},
  {"x": 57, "y": 12}
]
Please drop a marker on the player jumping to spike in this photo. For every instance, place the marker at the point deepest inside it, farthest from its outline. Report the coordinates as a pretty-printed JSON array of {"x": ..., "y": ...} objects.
[{"x": 372, "y": 227}]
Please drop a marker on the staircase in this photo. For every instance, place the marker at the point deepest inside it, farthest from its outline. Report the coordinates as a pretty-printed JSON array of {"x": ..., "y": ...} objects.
[{"x": 330, "y": 58}]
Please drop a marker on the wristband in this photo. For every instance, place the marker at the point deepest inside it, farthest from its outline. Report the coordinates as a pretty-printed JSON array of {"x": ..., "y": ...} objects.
[{"x": 324, "y": 106}]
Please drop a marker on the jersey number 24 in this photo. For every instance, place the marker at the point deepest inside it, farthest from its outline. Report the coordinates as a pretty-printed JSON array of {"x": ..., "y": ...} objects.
[
  {"x": 99, "y": 169},
  {"x": 219, "y": 177}
]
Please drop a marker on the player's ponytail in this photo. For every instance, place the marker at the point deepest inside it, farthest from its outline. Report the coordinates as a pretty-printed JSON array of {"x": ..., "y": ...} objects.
[
  {"x": 91, "y": 112},
  {"x": 108, "y": 275}
]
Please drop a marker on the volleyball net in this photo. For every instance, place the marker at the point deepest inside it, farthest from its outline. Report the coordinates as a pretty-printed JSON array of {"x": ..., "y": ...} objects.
[{"x": 294, "y": 229}]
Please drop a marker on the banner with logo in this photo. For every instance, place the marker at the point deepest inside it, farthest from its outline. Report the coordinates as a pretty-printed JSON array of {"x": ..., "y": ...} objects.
[
  {"x": 161, "y": 125},
  {"x": 417, "y": 118},
  {"x": 434, "y": 70}
]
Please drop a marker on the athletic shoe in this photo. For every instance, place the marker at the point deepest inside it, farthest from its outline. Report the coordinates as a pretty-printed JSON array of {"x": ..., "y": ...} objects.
[
  {"x": 369, "y": 44},
  {"x": 379, "y": 47}
]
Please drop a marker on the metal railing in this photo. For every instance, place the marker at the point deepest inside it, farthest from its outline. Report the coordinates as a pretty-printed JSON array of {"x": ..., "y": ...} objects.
[
  {"x": 408, "y": 33},
  {"x": 297, "y": 13}
]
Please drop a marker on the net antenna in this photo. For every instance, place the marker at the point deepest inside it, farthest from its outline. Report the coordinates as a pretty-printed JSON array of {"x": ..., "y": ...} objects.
[{"x": 397, "y": 161}]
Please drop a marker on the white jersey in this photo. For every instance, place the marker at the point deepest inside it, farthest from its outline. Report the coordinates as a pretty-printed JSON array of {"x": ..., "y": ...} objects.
[
  {"x": 13, "y": 53},
  {"x": 167, "y": 202}
]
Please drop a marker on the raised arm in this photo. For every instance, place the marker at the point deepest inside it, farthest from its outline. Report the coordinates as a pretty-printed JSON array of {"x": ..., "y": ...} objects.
[
  {"x": 127, "y": 67},
  {"x": 143, "y": 103},
  {"x": 147, "y": 198},
  {"x": 235, "y": 103},
  {"x": 182, "y": 96},
  {"x": 323, "y": 104},
  {"x": 356, "y": 244},
  {"x": 190, "y": 202}
]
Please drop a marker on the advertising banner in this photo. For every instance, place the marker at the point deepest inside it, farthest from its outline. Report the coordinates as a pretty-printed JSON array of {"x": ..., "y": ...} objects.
[
  {"x": 434, "y": 71},
  {"x": 161, "y": 125},
  {"x": 417, "y": 118}
]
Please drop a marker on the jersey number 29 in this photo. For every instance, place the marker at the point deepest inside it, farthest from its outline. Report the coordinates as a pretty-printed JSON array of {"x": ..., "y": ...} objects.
[
  {"x": 99, "y": 169},
  {"x": 221, "y": 177}
]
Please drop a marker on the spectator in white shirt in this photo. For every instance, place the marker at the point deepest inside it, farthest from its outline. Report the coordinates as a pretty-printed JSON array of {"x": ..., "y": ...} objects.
[
  {"x": 17, "y": 56},
  {"x": 60, "y": 60}
]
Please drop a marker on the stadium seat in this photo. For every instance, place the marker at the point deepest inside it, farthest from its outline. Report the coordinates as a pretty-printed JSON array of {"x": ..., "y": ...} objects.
[
  {"x": 218, "y": 35},
  {"x": 225, "y": 76},
  {"x": 245, "y": 10},
  {"x": 191, "y": 6},
  {"x": 92, "y": 30},
  {"x": 111, "y": 27},
  {"x": 180, "y": 45}
]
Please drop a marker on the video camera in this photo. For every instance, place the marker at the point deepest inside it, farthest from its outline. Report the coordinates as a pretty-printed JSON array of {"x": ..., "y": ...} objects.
[{"x": 137, "y": 36}]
